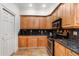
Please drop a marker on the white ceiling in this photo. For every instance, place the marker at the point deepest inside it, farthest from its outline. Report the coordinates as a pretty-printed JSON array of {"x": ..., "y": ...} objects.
[{"x": 36, "y": 8}]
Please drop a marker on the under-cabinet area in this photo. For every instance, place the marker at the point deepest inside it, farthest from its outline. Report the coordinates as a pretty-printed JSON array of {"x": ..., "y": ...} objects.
[{"x": 39, "y": 29}]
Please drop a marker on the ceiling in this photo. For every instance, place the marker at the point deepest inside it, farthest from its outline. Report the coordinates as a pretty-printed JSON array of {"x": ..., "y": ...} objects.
[{"x": 36, "y": 8}]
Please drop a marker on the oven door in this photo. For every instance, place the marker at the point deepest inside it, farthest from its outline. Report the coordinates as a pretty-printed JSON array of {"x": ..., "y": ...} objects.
[{"x": 50, "y": 47}]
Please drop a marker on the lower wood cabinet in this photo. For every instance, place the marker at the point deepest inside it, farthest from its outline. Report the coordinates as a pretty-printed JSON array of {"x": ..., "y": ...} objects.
[
  {"x": 42, "y": 41},
  {"x": 60, "y": 50},
  {"x": 23, "y": 41},
  {"x": 71, "y": 53},
  {"x": 32, "y": 41}
]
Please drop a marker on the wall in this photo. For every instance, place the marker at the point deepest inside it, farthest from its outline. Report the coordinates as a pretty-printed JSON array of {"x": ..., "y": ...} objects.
[{"x": 12, "y": 7}]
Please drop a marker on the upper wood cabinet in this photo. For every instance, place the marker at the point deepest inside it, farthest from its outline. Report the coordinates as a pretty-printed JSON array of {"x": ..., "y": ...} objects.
[
  {"x": 63, "y": 15},
  {"x": 42, "y": 23},
  {"x": 23, "y": 22},
  {"x": 30, "y": 23},
  {"x": 76, "y": 14},
  {"x": 54, "y": 16},
  {"x": 69, "y": 12},
  {"x": 49, "y": 22},
  {"x": 59, "y": 11},
  {"x": 69, "y": 15},
  {"x": 36, "y": 23},
  {"x": 33, "y": 22}
]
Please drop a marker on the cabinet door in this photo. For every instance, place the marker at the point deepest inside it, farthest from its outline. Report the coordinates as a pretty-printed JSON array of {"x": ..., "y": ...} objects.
[
  {"x": 23, "y": 42},
  {"x": 36, "y": 23},
  {"x": 60, "y": 13},
  {"x": 70, "y": 53},
  {"x": 64, "y": 15},
  {"x": 59, "y": 49},
  {"x": 68, "y": 14},
  {"x": 74, "y": 54},
  {"x": 49, "y": 21},
  {"x": 77, "y": 13},
  {"x": 72, "y": 14},
  {"x": 30, "y": 23},
  {"x": 42, "y": 23},
  {"x": 54, "y": 16},
  {"x": 42, "y": 41},
  {"x": 32, "y": 42},
  {"x": 24, "y": 22},
  {"x": 57, "y": 53}
]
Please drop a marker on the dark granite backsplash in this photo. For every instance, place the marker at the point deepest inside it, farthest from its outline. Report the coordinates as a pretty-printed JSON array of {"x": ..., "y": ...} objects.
[
  {"x": 35, "y": 32},
  {"x": 74, "y": 34}
]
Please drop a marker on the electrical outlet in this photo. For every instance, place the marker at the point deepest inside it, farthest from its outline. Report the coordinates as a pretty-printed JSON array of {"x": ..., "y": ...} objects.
[{"x": 75, "y": 33}]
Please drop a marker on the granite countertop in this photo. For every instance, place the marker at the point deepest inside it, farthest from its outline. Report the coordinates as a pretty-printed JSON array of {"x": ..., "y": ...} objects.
[{"x": 70, "y": 44}]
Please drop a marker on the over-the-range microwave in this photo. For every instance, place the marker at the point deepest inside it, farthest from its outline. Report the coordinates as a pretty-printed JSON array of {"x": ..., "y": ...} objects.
[{"x": 57, "y": 23}]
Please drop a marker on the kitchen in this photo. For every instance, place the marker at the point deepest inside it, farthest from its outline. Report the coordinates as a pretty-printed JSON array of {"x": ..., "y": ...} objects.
[{"x": 39, "y": 29}]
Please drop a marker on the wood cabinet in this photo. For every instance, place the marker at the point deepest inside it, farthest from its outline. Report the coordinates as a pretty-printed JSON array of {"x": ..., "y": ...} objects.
[
  {"x": 34, "y": 22},
  {"x": 69, "y": 14},
  {"x": 49, "y": 22},
  {"x": 60, "y": 12},
  {"x": 43, "y": 23},
  {"x": 42, "y": 41},
  {"x": 76, "y": 14},
  {"x": 54, "y": 16},
  {"x": 60, "y": 50},
  {"x": 70, "y": 53},
  {"x": 23, "y": 41},
  {"x": 24, "y": 22},
  {"x": 63, "y": 15},
  {"x": 32, "y": 41},
  {"x": 30, "y": 23}
]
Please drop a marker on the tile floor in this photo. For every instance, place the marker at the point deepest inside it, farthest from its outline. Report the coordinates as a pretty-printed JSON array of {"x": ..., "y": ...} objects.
[{"x": 32, "y": 52}]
